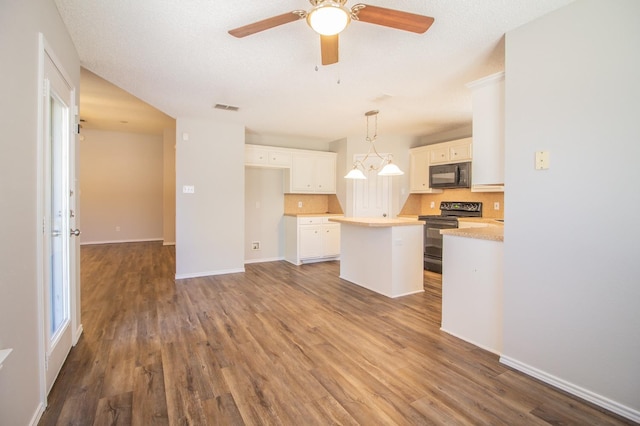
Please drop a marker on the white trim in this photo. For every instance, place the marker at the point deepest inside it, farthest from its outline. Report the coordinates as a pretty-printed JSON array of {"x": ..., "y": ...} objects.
[
  {"x": 37, "y": 415},
  {"x": 77, "y": 334},
  {"x": 4, "y": 353},
  {"x": 270, "y": 259},
  {"x": 573, "y": 389},
  {"x": 142, "y": 240},
  {"x": 486, "y": 348},
  {"x": 168, "y": 243},
  {"x": 209, "y": 273}
]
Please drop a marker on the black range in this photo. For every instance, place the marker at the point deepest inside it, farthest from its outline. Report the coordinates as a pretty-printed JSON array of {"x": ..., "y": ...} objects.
[{"x": 450, "y": 211}]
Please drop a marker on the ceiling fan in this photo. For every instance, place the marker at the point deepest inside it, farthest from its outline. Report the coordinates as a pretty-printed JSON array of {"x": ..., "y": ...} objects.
[{"x": 329, "y": 17}]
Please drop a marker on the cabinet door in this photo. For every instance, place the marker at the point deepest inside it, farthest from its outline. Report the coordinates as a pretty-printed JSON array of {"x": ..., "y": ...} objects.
[
  {"x": 302, "y": 174},
  {"x": 331, "y": 239},
  {"x": 419, "y": 174},
  {"x": 310, "y": 241},
  {"x": 460, "y": 152},
  {"x": 325, "y": 179},
  {"x": 439, "y": 155},
  {"x": 255, "y": 156},
  {"x": 280, "y": 158}
]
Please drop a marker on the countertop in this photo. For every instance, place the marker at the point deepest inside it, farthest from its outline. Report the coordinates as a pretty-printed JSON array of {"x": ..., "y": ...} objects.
[
  {"x": 313, "y": 214},
  {"x": 377, "y": 222},
  {"x": 491, "y": 232}
]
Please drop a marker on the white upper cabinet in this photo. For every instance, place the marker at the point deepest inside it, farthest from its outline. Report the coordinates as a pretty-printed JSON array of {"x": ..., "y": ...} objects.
[
  {"x": 419, "y": 171},
  {"x": 306, "y": 172},
  {"x": 265, "y": 156},
  {"x": 451, "y": 152},
  {"x": 313, "y": 173},
  {"x": 488, "y": 133}
]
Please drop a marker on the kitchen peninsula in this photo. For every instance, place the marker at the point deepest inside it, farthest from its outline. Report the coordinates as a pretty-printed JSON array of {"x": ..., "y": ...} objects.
[
  {"x": 472, "y": 283},
  {"x": 383, "y": 255}
]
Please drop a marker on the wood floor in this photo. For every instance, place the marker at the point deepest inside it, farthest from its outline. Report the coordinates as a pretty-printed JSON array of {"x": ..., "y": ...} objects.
[{"x": 279, "y": 344}]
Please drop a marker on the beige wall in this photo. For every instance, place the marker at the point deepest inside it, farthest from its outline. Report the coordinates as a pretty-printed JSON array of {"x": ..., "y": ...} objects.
[
  {"x": 121, "y": 186},
  {"x": 418, "y": 204}
]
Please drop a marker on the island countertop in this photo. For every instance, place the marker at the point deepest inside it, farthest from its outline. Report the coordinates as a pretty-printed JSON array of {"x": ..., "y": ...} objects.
[
  {"x": 493, "y": 233},
  {"x": 313, "y": 214},
  {"x": 376, "y": 222}
]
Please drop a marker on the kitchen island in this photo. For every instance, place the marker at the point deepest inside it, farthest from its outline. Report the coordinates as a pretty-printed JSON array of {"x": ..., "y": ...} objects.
[
  {"x": 382, "y": 255},
  {"x": 472, "y": 284}
]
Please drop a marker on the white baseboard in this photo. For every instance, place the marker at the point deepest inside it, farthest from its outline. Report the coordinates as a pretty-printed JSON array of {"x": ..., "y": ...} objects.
[
  {"x": 573, "y": 389},
  {"x": 77, "y": 334},
  {"x": 466, "y": 339},
  {"x": 168, "y": 243},
  {"x": 143, "y": 240},
  {"x": 208, "y": 273},
  {"x": 37, "y": 415},
  {"x": 270, "y": 259}
]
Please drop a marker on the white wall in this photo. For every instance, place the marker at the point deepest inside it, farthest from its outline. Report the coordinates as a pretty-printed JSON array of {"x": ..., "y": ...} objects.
[
  {"x": 20, "y": 23},
  {"x": 210, "y": 222},
  {"x": 264, "y": 209},
  {"x": 121, "y": 186},
  {"x": 572, "y": 285}
]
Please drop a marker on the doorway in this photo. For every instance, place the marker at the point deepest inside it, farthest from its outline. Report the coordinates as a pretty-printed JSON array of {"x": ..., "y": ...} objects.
[
  {"x": 59, "y": 268},
  {"x": 371, "y": 196}
]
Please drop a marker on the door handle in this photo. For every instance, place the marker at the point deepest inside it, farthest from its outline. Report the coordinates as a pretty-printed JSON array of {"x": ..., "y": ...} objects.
[{"x": 74, "y": 232}]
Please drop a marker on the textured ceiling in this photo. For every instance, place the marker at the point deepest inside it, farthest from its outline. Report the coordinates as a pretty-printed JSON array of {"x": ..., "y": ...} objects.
[{"x": 178, "y": 57}]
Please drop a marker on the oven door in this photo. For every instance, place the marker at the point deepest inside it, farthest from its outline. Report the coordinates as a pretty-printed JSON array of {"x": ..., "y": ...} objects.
[{"x": 433, "y": 242}]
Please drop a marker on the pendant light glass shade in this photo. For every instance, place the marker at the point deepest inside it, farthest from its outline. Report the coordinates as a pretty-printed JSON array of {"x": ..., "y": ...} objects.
[
  {"x": 390, "y": 169},
  {"x": 328, "y": 18},
  {"x": 355, "y": 173}
]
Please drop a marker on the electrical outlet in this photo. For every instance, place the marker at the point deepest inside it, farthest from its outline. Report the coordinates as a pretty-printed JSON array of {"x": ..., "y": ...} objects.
[
  {"x": 433, "y": 204},
  {"x": 299, "y": 204},
  {"x": 255, "y": 245},
  {"x": 496, "y": 205}
]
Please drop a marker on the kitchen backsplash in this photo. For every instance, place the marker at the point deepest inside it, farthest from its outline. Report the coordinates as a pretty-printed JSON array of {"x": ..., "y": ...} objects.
[
  {"x": 311, "y": 204},
  {"x": 418, "y": 204}
]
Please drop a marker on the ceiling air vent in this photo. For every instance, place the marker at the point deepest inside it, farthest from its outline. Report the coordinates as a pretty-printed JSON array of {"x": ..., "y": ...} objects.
[{"x": 226, "y": 107}]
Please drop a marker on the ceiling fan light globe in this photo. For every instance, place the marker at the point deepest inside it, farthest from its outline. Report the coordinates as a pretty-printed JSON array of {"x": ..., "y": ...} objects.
[
  {"x": 355, "y": 173},
  {"x": 328, "y": 18},
  {"x": 390, "y": 169}
]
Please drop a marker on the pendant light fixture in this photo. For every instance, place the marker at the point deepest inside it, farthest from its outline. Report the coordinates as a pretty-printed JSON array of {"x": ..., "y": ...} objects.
[{"x": 386, "y": 162}]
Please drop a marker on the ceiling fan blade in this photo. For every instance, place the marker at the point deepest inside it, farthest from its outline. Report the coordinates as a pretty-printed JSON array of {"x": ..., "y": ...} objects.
[
  {"x": 392, "y": 18},
  {"x": 329, "y": 49},
  {"x": 265, "y": 24}
]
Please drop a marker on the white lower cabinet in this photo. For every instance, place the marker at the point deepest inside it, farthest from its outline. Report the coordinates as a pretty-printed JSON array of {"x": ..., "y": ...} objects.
[{"x": 311, "y": 239}]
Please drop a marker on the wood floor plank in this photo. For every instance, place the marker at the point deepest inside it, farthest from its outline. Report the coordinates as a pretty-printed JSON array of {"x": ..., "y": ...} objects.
[
  {"x": 114, "y": 410},
  {"x": 149, "y": 394},
  {"x": 279, "y": 344}
]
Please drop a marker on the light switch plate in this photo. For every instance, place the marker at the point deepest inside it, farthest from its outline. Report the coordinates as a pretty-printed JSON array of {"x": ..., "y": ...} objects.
[
  {"x": 542, "y": 160},
  {"x": 188, "y": 189}
]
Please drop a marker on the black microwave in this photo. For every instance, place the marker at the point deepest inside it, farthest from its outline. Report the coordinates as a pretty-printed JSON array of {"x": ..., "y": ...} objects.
[{"x": 450, "y": 175}]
